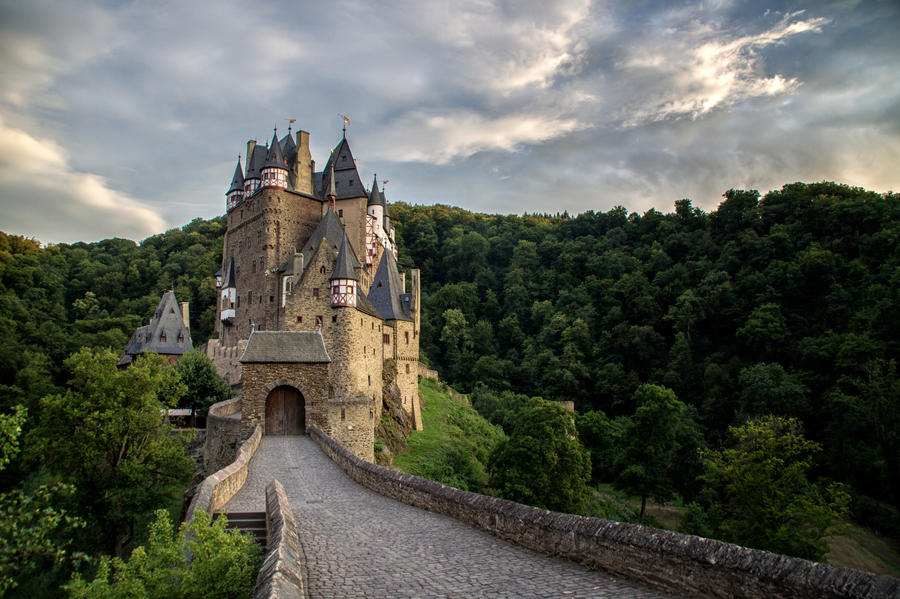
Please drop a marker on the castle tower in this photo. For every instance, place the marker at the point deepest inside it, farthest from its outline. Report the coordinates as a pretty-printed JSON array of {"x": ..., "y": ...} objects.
[
  {"x": 344, "y": 282},
  {"x": 375, "y": 208},
  {"x": 274, "y": 172},
  {"x": 256, "y": 157},
  {"x": 235, "y": 193}
]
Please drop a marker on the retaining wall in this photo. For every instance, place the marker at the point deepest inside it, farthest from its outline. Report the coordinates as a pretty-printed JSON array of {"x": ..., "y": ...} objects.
[
  {"x": 280, "y": 576},
  {"x": 223, "y": 434},
  {"x": 216, "y": 489},
  {"x": 675, "y": 562}
]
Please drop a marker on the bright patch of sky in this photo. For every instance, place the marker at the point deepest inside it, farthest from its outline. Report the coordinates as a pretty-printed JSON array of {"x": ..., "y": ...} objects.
[{"x": 124, "y": 119}]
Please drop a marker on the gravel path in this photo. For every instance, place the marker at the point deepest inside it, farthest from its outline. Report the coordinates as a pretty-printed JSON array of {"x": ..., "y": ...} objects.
[{"x": 361, "y": 544}]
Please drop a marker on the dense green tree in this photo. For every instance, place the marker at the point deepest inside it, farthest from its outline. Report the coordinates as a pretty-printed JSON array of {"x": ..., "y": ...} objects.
[
  {"x": 759, "y": 493},
  {"x": 647, "y": 465},
  {"x": 203, "y": 385},
  {"x": 223, "y": 564},
  {"x": 35, "y": 531},
  {"x": 542, "y": 463},
  {"x": 108, "y": 435}
]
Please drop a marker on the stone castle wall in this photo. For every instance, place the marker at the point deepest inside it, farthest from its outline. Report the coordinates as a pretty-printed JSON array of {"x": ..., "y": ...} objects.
[
  {"x": 354, "y": 345},
  {"x": 226, "y": 359},
  {"x": 405, "y": 351},
  {"x": 675, "y": 562},
  {"x": 260, "y": 379},
  {"x": 352, "y": 424}
]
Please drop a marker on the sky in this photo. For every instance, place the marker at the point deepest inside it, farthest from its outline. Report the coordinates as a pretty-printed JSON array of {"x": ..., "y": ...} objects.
[{"x": 125, "y": 119}]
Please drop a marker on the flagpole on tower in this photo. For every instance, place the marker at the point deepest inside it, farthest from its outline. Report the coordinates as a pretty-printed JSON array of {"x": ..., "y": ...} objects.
[{"x": 346, "y": 122}]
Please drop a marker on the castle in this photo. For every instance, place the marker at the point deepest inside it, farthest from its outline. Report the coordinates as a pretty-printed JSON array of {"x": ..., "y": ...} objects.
[{"x": 313, "y": 314}]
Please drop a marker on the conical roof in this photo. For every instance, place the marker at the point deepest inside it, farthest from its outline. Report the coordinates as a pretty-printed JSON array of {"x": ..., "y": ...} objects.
[
  {"x": 376, "y": 198},
  {"x": 345, "y": 264},
  {"x": 386, "y": 290},
  {"x": 237, "y": 181},
  {"x": 346, "y": 178},
  {"x": 288, "y": 147},
  {"x": 257, "y": 160},
  {"x": 275, "y": 158}
]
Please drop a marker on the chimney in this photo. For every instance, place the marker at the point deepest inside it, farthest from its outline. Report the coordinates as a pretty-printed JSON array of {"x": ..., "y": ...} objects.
[
  {"x": 416, "y": 296},
  {"x": 302, "y": 172},
  {"x": 186, "y": 316},
  {"x": 250, "y": 145},
  {"x": 402, "y": 282}
]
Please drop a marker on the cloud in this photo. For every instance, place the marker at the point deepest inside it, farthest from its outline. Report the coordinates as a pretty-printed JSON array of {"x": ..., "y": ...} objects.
[
  {"x": 43, "y": 197},
  {"x": 446, "y": 136},
  {"x": 698, "y": 66}
]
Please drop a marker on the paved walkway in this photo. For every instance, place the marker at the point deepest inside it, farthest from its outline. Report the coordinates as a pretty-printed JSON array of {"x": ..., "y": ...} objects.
[{"x": 361, "y": 544}]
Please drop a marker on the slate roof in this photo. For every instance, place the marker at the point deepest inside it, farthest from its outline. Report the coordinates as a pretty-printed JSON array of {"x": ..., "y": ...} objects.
[
  {"x": 347, "y": 181},
  {"x": 387, "y": 288},
  {"x": 346, "y": 263},
  {"x": 166, "y": 321},
  {"x": 237, "y": 181},
  {"x": 329, "y": 228},
  {"x": 288, "y": 147},
  {"x": 305, "y": 347},
  {"x": 375, "y": 196},
  {"x": 275, "y": 158},
  {"x": 230, "y": 278},
  {"x": 257, "y": 160}
]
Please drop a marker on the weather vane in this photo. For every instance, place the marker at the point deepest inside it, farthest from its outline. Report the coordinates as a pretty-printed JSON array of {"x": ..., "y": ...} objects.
[{"x": 346, "y": 122}]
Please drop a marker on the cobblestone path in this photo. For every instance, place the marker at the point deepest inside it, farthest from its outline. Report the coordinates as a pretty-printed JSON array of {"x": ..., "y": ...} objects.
[{"x": 361, "y": 544}]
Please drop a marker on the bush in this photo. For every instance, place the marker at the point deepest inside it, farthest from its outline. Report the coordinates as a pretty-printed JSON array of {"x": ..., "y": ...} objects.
[{"x": 224, "y": 564}]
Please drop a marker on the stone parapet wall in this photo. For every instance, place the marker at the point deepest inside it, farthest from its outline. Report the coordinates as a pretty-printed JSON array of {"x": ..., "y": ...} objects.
[
  {"x": 280, "y": 576},
  {"x": 427, "y": 373},
  {"x": 675, "y": 562},
  {"x": 223, "y": 434},
  {"x": 226, "y": 359},
  {"x": 216, "y": 489}
]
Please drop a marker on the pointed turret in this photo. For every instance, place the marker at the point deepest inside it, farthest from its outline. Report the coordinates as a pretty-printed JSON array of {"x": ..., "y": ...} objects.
[
  {"x": 344, "y": 278},
  {"x": 235, "y": 193},
  {"x": 256, "y": 158},
  {"x": 332, "y": 194},
  {"x": 375, "y": 196},
  {"x": 274, "y": 170}
]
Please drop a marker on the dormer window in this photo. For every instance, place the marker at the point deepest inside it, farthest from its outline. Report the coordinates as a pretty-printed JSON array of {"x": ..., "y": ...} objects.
[
  {"x": 181, "y": 337},
  {"x": 162, "y": 336}
]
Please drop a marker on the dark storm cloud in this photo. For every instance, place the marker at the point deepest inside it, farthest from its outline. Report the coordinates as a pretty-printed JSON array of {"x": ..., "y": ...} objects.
[{"x": 493, "y": 106}]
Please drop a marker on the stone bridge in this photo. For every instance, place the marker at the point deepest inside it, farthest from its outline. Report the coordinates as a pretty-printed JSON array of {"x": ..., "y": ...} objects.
[{"x": 358, "y": 543}]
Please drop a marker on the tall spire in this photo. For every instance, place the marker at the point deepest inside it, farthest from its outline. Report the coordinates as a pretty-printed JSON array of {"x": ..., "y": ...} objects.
[
  {"x": 275, "y": 158},
  {"x": 237, "y": 181}
]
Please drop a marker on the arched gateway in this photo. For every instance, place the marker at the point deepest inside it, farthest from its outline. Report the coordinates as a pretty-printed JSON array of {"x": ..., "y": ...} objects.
[{"x": 285, "y": 412}]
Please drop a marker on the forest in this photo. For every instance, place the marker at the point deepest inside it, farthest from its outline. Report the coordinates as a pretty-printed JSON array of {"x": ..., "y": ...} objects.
[{"x": 701, "y": 337}]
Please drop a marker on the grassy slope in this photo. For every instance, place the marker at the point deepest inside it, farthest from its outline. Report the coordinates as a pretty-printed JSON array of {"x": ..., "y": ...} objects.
[{"x": 455, "y": 443}]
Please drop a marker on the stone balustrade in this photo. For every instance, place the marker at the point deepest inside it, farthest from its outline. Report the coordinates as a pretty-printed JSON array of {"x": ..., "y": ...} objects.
[
  {"x": 280, "y": 576},
  {"x": 217, "y": 488},
  {"x": 675, "y": 562}
]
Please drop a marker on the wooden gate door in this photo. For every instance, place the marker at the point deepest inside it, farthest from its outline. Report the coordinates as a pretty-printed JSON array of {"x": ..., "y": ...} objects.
[{"x": 285, "y": 412}]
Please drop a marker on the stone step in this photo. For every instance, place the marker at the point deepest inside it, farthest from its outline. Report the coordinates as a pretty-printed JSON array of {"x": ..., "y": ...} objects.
[{"x": 251, "y": 522}]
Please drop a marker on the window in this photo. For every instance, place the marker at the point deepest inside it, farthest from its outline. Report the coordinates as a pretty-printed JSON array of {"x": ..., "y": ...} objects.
[
  {"x": 387, "y": 339},
  {"x": 319, "y": 320},
  {"x": 334, "y": 318},
  {"x": 162, "y": 336},
  {"x": 181, "y": 337},
  {"x": 272, "y": 301},
  {"x": 239, "y": 301},
  {"x": 406, "y": 334},
  {"x": 253, "y": 268},
  {"x": 407, "y": 369},
  {"x": 343, "y": 414},
  {"x": 322, "y": 269},
  {"x": 316, "y": 290},
  {"x": 341, "y": 212},
  {"x": 370, "y": 379},
  {"x": 250, "y": 296},
  {"x": 299, "y": 319},
  {"x": 379, "y": 284}
]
